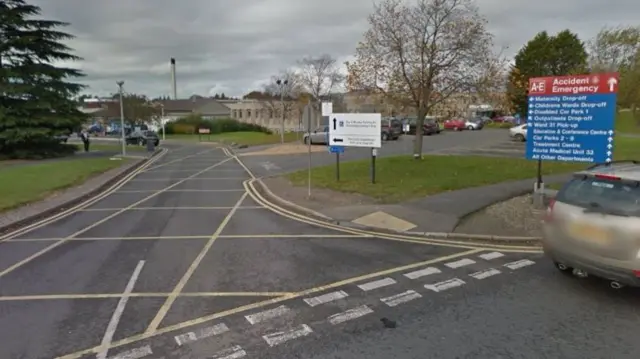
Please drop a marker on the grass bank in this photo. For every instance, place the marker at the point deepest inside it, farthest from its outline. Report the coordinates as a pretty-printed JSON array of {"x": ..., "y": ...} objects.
[
  {"x": 401, "y": 178},
  {"x": 625, "y": 123},
  {"x": 242, "y": 138},
  {"x": 26, "y": 182}
]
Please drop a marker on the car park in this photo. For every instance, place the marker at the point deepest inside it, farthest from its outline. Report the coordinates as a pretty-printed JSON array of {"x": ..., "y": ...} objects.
[
  {"x": 475, "y": 124},
  {"x": 391, "y": 129},
  {"x": 592, "y": 227},
  {"x": 429, "y": 127},
  {"x": 518, "y": 133},
  {"x": 455, "y": 124}
]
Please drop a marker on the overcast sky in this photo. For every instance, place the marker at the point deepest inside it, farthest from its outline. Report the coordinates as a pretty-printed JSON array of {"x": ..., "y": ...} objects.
[{"x": 234, "y": 46}]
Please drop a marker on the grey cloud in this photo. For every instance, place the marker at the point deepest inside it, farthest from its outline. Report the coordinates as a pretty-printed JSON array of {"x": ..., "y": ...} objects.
[{"x": 237, "y": 45}]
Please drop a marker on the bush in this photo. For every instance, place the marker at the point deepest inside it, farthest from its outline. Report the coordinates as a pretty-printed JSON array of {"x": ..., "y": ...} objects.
[
  {"x": 191, "y": 124},
  {"x": 37, "y": 150},
  {"x": 505, "y": 125}
]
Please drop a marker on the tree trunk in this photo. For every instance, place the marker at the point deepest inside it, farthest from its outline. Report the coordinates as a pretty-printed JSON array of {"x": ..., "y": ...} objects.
[{"x": 417, "y": 142}]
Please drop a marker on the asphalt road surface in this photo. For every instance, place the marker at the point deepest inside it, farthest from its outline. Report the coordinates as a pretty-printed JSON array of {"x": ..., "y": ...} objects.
[{"x": 180, "y": 262}]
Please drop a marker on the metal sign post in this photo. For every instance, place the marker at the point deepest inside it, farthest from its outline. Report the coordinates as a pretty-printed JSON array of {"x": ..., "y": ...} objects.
[{"x": 306, "y": 118}]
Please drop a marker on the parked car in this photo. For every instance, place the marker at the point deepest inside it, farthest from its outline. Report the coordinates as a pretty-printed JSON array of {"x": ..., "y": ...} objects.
[
  {"x": 141, "y": 138},
  {"x": 455, "y": 124},
  {"x": 474, "y": 124},
  {"x": 519, "y": 133},
  {"x": 391, "y": 129},
  {"x": 429, "y": 127},
  {"x": 592, "y": 226},
  {"x": 318, "y": 137}
]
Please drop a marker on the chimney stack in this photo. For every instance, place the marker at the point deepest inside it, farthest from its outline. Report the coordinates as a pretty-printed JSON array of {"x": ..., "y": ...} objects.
[{"x": 174, "y": 90}]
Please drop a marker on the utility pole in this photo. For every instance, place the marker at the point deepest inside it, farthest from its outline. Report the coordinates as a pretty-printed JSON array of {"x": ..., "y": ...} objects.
[
  {"x": 281, "y": 85},
  {"x": 124, "y": 143}
]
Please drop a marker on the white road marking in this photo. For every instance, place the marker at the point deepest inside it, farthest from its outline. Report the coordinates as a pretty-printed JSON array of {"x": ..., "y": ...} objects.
[
  {"x": 134, "y": 353},
  {"x": 447, "y": 284},
  {"x": 274, "y": 339},
  {"x": 377, "y": 284},
  {"x": 461, "y": 263},
  {"x": 519, "y": 264},
  {"x": 491, "y": 255},
  {"x": 350, "y": 314},
  {"x": 325, "y": 298},
  {"x": 422, "y": 272},
  {"x": 485, "y": 273},
  {"x": 201, "y": 334},
  {"x": 401, "y": 298},
  {"x": 234, "y": 352},
  {"x": 117, "y": 314},
  {"x": 267, "y": 314}
]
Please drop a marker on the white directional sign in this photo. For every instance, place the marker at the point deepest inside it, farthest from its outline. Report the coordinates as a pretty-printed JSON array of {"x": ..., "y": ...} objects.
[
  {"x": 327, "y": 108},
  {"x": 355, "y": 130}
]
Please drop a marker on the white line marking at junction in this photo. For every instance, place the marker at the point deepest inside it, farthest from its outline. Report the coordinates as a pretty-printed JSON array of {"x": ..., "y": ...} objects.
[
  {"x": 117, "y": 314},
  {"x": 325, "y": 298},
  {"x": 460, "y": 263},
  {"x": 377, "y": 284},
  {"x": 274, "y": 339},
  {"x": 491, "y": 255},
  {"x": 177, "y": 190},
  {"x": 201, "y": 334},
  {"x": 422, "y": 272},
  {"x": 134, "y": 353},
  {"x": 485, "y": 273},
  {"x": 519, "y": 264},
  {"x": 267, "y": 314},
  {"x": 235, "y": 352},
  {"x": 350, "y": 314},
  {"x": 447, "y": 284},
  {"x": 404, "y": 297}
]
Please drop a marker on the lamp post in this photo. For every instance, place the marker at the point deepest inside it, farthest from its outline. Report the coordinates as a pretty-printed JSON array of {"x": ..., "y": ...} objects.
[
  {"x": 281, "y": 84},
  {"x": 124, "y": 144}
]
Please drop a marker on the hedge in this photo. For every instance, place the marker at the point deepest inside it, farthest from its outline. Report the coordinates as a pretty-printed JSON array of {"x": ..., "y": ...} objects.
[{"x": 191, "y": 124}]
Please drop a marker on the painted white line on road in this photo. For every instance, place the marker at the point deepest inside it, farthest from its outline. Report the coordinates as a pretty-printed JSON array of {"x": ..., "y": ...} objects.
[
  {"x": 422, "y": 272},
  {"x": 117, "y": 314},
  {"x": 491, "y": 255},
  {"x": 325, "y": 298},
  {"x": 377, "y": 284},
  {"x": 235, "y": 352},
  {"x": 447, "y": 284},
  {"x": 460, "y": 263},
  {"x": 401, "y": 298},
  {"x": 519, "y": 264},
  {"x": 350, "y": 314},
  {"x": 201, "y": 334},
  {"x": 277, "y": 338},
  {"x": 267, "y": 314},
  {"x": 485, "y": 273},
  {"x": 134, "y": 353}
]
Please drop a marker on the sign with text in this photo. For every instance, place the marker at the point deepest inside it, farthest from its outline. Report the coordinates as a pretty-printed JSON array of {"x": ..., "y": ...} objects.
[
  {"x": 355, "y": 130},
  {"x": 204, "y": 131},
  {"x": 571, "y": 118}
]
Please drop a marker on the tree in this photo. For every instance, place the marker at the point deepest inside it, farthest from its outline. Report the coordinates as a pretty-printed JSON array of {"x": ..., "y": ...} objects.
[
  {"x": 281, "y": 96},
  {"x": 319, "y": 77},
  {"x": 544, "y": 55},
  {"x": 613, "y": 49},
  {"x": 423, "y": 54},
  {"x": 37, "y": 98}
]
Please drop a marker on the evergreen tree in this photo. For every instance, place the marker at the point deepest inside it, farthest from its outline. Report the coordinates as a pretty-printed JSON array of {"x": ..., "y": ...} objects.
[
  {"x": 544, "y": 55},
  {"x": 36, "y": 97}
]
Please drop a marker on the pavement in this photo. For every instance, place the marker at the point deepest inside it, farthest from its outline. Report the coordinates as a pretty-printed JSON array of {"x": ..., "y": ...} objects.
[{"x": 184, "y": 261}]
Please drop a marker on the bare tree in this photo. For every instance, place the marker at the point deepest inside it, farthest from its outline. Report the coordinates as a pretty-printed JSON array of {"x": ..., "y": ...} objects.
[
  {"x": 281, "y": 94},
  {"x": 421, "y": 55},
  {"x": 614, "y": 48},
  {"x": 319, "y": 76}
]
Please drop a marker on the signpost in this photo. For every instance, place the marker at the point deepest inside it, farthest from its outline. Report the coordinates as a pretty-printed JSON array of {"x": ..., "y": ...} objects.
[
  {"x": 204, "y": 131},
  {"x": 571, "y": 119},
  {"x": 356, "y": 130}
]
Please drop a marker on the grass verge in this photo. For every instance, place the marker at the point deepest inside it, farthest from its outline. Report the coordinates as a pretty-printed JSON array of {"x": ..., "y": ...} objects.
[
  {"x": 27, "y": 183},
  {"x": 401, "y": 178},
  {"x": 242, "y": 138},
  {"x": 113, "y": 148},
  {"x": 500, "y": 125},
  {"x": 625, "y": 123}
]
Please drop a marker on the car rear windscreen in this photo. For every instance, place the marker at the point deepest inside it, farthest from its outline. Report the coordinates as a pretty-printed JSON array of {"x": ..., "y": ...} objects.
[{"x": 608, "y": 196}]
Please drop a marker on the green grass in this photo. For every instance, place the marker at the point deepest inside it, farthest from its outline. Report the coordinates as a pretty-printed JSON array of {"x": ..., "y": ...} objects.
[
  {"x": 113, "y": 148},
  {"x": 500, "y": 125},
  {"x": 242, "y": 138},
  {"x": 23, "y": 184},
  {"x": 401, "y": 178},
  {"x": 625, "y": 123}
]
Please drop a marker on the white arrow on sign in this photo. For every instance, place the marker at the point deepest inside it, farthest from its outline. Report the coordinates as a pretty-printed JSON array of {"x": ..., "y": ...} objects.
[
  {"x": 608, "y": 160},
  {"x": 609, "y": 146},
  {"x": 610, "y": 139},
  {"x": 612, "y": 82},
  {"x": 610, "y": 133},
  {"x": 609, "y": 153}
]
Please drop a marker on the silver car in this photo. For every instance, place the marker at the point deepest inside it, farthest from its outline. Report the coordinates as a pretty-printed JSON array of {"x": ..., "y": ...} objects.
[
  {"x": 593, "y": 225},
  {"x": 318, "y": 137}
]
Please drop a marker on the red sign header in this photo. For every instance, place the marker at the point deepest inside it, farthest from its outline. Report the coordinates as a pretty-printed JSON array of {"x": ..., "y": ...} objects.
[{"x": 606, "y": 83}]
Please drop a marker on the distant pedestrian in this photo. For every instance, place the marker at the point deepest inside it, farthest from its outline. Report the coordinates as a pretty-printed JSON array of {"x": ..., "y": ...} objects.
[{"x": 85, "y": 140}]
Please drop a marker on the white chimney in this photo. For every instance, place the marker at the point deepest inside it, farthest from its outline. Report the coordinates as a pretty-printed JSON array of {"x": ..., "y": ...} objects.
[{"x": 174, "y": 90}]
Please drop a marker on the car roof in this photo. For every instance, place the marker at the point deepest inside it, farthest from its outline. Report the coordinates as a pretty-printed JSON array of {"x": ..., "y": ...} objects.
[{"x": 626, "y": 170}]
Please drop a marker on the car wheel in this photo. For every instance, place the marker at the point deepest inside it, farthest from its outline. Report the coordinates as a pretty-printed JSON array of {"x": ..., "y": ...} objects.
[
  {"x": 385, "y": 137},
  {"x": 456, "y": 129},
  {"x": 520, "y": 137},
  {"x": 156, "y": 143},
  {"x": 470, "y": 128},
  {"x": 562, "y": 267}
]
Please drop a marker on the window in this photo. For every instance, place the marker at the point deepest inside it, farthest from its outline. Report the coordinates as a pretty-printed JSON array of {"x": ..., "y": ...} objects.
[
  {"x": 239, "y": 113},
  {"x": 614, "y": 197},
  {"x": 248, "y": 113}
]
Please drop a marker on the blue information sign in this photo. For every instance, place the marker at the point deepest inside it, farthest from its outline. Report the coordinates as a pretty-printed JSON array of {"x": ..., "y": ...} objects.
[
  {"x": 336, "y": 149},
  {"x": 571, "y": 118}
]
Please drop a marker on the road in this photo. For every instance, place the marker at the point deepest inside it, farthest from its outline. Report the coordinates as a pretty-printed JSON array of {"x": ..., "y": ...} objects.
[{"x": 181, "y": 262}]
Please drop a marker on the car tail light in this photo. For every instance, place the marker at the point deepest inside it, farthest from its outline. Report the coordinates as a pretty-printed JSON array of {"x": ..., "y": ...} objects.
[
  {"x": 636, "y": 273},
  {"x": 549, "y": 215},
  {"x": 607, "y": 177}
]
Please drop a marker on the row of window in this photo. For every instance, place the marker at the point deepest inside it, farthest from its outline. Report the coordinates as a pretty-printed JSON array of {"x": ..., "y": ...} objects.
[{"x": 256, "y": 113}]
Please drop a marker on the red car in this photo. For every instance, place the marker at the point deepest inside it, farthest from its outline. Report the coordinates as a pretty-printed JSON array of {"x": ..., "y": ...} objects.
[{"x": 456, "y": 125}]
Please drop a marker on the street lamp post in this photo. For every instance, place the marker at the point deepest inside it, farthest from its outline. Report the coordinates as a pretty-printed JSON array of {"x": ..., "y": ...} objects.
[
  {"x": 281, "y": 85},
  {"x": 162, "y": 119},
  {"x": 124, "y": 144}
]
